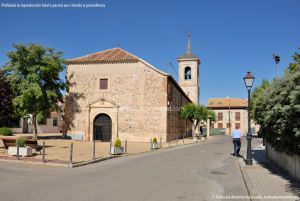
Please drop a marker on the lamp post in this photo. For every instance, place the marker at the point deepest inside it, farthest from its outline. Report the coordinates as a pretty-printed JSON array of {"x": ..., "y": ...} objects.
[
  {"x": 277, "y": 60},
  {"x": 248, "y": 79}
]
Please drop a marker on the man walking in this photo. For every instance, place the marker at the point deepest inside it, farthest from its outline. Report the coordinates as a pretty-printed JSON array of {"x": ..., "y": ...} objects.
[{"x": 236, "y": 139}]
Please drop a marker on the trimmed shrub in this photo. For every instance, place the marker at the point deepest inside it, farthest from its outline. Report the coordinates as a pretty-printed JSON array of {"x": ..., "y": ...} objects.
[
  {"x": 21, "y": 142},
  {"x": 154, "y": 141},
  {"x": 117, "y": 143},
  {"x": 5, "y": 131}
]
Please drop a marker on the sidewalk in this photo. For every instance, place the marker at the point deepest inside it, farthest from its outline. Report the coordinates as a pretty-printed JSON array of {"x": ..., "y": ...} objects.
[{"x": 265, "y": 181}]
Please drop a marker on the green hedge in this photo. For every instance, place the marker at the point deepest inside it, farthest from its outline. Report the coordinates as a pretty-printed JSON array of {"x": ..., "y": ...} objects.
[
  {"x": 276, "y": 108},
  {"x": 5, "y": 131}
]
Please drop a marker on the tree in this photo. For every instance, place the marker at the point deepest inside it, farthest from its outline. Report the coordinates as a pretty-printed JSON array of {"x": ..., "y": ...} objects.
[
  {"x": 194, "y": 113},
  {"x": 6, "y": 97},
  {"x": 257, "y": 101},
  {"x": 276, "y": 107},
  {"x": 34, "y": 73}
]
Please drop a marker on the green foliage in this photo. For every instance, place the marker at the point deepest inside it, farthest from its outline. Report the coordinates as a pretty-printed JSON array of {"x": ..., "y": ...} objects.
[
  {"x": 5, "y": 131},
  {"x": 6, "y": 97},
  {"x": 21, "y": 142},
  {"x": 211, "y": 115},
  {"x": 34, "y": 74},
  {"x": 194, "y": 112},
  {"x": 154, "y": 141},
  {"x": 276, "y": 107},
  {"x": 118, "y": 143}
]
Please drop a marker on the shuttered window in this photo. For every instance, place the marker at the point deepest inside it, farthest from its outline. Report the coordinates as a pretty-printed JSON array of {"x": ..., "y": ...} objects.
[
  {"x": 220, "y": 116},
  {"x": 237, "y": 116},
  {"x": 103, "y": 83},
  {"x": 220, "y": 125}
]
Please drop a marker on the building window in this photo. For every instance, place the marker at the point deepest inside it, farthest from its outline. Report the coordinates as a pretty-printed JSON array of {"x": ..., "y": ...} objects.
[
  {"x": 237, "y": 116},
  {"x": 103, "y": 84},
  {"x": 220, "y": 125},
  {"x": 212, "y": 125},
  {"x": 237, "y": 125},
  {"x": 55, "y": 121},
  {"x": 220, "y": 116},
  {"x": 187, "y": 73}
]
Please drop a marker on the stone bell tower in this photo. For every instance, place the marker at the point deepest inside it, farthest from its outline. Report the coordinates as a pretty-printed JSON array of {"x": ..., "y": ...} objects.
[{"x": 188, "y": 70}]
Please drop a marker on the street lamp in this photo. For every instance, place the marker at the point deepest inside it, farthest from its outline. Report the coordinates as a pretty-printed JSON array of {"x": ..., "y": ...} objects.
[
  {"x": 249, "y": 83},
  {"x": 277, "y": 60}
]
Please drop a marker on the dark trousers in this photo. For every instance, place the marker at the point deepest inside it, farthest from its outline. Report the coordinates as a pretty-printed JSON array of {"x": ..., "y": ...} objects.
[{"x": 237, "y": 145}]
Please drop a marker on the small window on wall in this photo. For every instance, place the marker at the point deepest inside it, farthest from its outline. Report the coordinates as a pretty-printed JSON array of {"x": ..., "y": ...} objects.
[
  {"x": 220, "y": 116},
  {"x": 220, "y": 125},
  {"x": 55, "y": 121},
  {"x": 187, "y": 73},
  {"x": 103, "y": 84},
  {"x": 212, "y": 125},
  {"x": 237, "y": 116}
]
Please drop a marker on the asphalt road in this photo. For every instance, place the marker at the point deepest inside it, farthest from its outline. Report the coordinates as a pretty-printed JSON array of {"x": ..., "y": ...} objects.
[{"x": 193, "y": 172}]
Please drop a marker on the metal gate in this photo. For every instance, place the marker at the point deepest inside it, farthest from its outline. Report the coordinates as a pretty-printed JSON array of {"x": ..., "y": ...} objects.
[{"x": 102, "y": 127}]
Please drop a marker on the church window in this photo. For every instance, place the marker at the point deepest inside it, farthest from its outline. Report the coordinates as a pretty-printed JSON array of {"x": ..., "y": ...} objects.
[
  {"x": 103, "y": 83},
  {"x": 187, "y": 73}
]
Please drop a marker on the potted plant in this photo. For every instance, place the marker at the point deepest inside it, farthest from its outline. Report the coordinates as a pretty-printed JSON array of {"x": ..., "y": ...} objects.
[
  {"x": 155, "y": 144},
  {"x": 23, "y": 149},
  {"x": 117, "y": 148}
]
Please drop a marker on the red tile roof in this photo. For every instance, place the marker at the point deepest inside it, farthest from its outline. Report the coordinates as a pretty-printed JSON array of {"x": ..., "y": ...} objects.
[
  {"x": 114, "y": 55},
  {"x": 227, "y": 102}
]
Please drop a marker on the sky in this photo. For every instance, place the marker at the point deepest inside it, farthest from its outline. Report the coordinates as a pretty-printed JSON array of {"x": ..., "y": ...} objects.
[{"x": 231, "y": 37}]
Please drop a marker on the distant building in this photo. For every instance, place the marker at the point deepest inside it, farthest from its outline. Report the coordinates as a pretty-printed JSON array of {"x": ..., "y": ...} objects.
[
  {"x": 231, "y": 113},
  {"x": 118, "y": 95},
  {"x": 49, "y": 125}
]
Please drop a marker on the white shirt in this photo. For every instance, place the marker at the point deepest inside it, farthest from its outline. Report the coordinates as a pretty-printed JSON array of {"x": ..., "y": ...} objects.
[{"x": 236, "y": 134}]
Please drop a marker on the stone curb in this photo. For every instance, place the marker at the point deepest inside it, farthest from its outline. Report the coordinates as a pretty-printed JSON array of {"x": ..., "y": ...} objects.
[
  {"x": 248, "y": 184},
  {"x": 36, "y": 163}
]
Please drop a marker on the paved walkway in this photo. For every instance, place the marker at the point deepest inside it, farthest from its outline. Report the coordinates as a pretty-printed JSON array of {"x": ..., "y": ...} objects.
[{"x": 265, "y": 181}]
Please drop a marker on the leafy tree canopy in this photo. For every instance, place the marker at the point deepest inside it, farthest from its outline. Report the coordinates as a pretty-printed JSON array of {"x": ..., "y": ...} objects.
[
  {"x": 276, "y": 107},
  {"x": 34, "y": 74},
  {"x": 6, "y": 97}
]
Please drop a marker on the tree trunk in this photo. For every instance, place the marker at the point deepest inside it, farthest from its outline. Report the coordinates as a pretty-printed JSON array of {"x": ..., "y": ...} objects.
[
  {"x": 194, "y": 127},
  {"x": 34, "y": 137}
]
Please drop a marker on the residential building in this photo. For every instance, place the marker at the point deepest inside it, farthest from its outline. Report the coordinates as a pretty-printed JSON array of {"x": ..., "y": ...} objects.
[{"x": 231, "y": 113}]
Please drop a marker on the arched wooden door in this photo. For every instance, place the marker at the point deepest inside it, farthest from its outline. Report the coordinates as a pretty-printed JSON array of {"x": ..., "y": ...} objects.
[{"x": 102, "y": 127}]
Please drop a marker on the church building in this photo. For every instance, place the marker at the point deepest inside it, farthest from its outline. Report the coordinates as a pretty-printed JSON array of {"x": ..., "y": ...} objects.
[{"x": 115, "y": 94}]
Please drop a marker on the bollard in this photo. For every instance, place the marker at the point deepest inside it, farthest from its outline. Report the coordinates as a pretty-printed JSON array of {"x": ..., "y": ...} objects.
[
  {"x": 169, "y": 142},
  {"x": 150, "y": 144},
  {"x": 44, "y": 152},
  {"x": 18, "y": 154},
  {"x": 176, "y": 139},
  {"x": 94, "y": 149},
  {"x": 160, "y": 141},
  {"x": 125, "y": 146},
  {"x": 183, "y": 138},
  {"x": 71, "y": 154}
]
